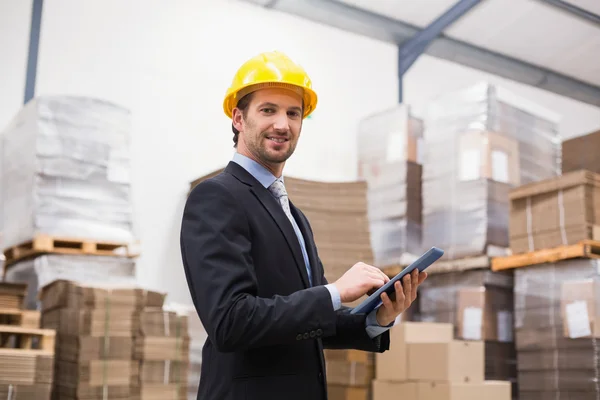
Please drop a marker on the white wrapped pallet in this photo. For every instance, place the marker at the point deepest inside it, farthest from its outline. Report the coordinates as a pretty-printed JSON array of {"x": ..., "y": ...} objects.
[
  {"x": 66, "y": 171},
  {"x": 388, "y": 159},
  {"x": 479, "y": 143}
]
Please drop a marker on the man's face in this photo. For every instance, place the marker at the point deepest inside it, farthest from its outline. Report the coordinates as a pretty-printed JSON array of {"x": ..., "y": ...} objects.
[{"x": 272, "y": 125}]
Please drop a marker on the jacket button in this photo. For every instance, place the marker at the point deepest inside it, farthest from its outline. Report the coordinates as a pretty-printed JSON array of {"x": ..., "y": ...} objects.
[
  {"x": 312, "y": 334},
  {"x": 319, "y": 332},
  {"x": 299, "y": 337},
  {"x": 306, "y": 335}
]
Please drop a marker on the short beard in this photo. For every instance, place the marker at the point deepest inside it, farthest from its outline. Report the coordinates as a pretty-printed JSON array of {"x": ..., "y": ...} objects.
[{"x": 263, "y": 154}]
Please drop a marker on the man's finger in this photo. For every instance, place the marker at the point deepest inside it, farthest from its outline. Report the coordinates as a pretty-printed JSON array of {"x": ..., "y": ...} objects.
[{"x": 386, "y": 301}]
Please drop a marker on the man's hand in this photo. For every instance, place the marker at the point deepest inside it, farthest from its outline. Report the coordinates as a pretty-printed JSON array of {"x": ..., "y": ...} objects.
[
  {"x": 360, "y": 280},
  {"x": 405, "y": 294}
]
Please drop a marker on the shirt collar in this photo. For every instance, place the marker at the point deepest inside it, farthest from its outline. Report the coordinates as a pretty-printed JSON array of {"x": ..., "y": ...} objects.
[{"x": 263, "y": 175}]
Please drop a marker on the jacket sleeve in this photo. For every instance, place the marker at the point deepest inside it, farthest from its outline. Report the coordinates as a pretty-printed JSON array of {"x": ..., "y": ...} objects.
[
  {"x": 216, "y": 253},
  {"x": 351, "y": 329}
]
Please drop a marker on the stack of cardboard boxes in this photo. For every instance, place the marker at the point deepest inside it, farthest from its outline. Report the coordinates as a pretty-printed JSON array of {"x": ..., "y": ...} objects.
[
  {"x": 337, "y": 212},
  {"x": 556, "y": 302},
  {"x": 557, "y": 329},
  {"x": 425, "y": 362},
  {"x": 389, "y": 161},
  {"x": 161, "y": 350},
  {"x": 479, "y": 306},
  {"x": 96, "y": 327},
  {"x": 349, "y": 374},
  {"x": 555, "y": 212}
]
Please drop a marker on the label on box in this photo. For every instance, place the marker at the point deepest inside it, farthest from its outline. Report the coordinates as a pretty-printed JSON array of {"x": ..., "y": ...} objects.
[
  {"x": 396, "y": 148},
  {"x": 472, "y": 321},
  {"x": 578, "y": 321},
  {"x": 500, "y": 166},
  {"x": 470, "y": 165},
  {"x": 505, "y": 326}
]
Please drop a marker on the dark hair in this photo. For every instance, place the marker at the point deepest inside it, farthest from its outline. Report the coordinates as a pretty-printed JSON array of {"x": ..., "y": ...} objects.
[{"x": 242, "y": 105}]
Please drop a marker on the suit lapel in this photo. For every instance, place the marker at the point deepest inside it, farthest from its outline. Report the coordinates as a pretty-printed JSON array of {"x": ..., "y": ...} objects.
[
  {"x": 311, "y": 248},
  {"x": 276, "y": 212}
]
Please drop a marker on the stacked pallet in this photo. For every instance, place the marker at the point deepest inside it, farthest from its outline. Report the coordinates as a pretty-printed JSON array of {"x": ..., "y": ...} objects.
[
  {"x": 349, "y": 374},
  {"x": 425, "y": 362},
  {"x": 388, "y": 160},
  {"x": 26, "y": 352},
  {"x": 66, "y": 186},
  {"x": 66, "y": 171},
  {"x": 554, "y": 238},
  {"x": 161, "y": 351},
  {"x": 95, "y": 326},
  {"x": 479, "y": 306},
  {"x": 557, "y": 329},
  {"x": 479, "y": 143}
]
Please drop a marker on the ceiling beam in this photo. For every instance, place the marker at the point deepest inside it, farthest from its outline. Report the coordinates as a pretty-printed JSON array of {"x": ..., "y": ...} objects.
[
  {"x": 412, "y": 48},
  {"x": 573, "y": 10},
  {"x": 362, "y": 22},
  {"x": 34, "y": 43}
]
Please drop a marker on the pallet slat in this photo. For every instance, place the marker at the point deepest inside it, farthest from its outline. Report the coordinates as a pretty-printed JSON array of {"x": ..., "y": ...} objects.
[
  {"x": 30, "y": 339},
  {"x": 583, "y": 249},
  {"x": 22, "y": 318}
]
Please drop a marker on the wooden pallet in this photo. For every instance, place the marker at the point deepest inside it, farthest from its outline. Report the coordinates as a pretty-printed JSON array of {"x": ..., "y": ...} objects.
[
  {"x": 583, "y": 249},
  {"x": 22, "y": 318},
  {"x": 63, "y": 245},
  {"x": 19, "y": 338}
]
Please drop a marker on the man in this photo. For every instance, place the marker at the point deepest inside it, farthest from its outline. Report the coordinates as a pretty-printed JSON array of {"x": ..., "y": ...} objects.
[{"x": 251, "y": 262}]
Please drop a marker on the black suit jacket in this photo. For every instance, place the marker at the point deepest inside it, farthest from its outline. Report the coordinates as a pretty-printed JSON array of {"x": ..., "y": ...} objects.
[{"x": 244, "y": 267}]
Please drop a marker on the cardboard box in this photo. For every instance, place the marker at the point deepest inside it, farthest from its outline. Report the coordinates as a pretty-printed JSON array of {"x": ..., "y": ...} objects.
[
  {"x": 490, "y": 155},
  {"x": 554, "y": 212},
  {"x": 488, "y": 390},
  {"x": 392, "y": 365},
  {"x": 455, "y": 361},
  {"x": 485, "y": 314},
  {"x": 579, "y": 313},
  {"x": 581, "y": 153}
]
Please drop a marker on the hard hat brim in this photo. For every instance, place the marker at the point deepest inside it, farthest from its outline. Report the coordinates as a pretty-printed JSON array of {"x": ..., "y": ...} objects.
[{"x": 309, "y": 96}]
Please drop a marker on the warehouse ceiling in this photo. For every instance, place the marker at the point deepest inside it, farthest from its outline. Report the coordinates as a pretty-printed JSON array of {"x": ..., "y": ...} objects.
[{"x": 543, "y": 43}]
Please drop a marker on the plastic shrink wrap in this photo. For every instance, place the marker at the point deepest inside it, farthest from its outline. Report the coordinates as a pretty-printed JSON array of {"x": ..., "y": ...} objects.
[
  {"x": 557, "y": 326},
  {"x": 389, "y": 161},
  {"x": 66, "y": 171},
  {"x": 480, "y": 142}
]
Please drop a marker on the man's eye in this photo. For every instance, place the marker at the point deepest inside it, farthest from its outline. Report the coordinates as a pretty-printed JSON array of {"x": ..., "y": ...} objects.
[
  {"x": 268, "y": 110},
  {"x": 294, "y": 113}
]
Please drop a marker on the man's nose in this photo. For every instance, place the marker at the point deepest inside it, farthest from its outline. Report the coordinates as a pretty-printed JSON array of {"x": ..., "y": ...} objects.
[{"x": 281, "y": 122}]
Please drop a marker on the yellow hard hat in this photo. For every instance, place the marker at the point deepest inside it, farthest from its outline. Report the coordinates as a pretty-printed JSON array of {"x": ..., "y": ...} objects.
[{"x": 270, "y": 69}]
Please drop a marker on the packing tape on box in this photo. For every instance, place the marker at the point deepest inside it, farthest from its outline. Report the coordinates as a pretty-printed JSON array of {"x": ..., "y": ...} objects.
[
  {"x": 106, "y": 347},
  {"x": 561, "y": 221},
  {"x": 596, "y": 371},
  {"x": 529, "y": 223},
  {"x": 167, "y": 332},
  {"x": 561, "y": 217}
]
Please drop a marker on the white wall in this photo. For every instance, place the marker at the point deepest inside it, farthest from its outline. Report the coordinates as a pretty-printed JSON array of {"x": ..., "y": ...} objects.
[{"x": 171, "y": 62}]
